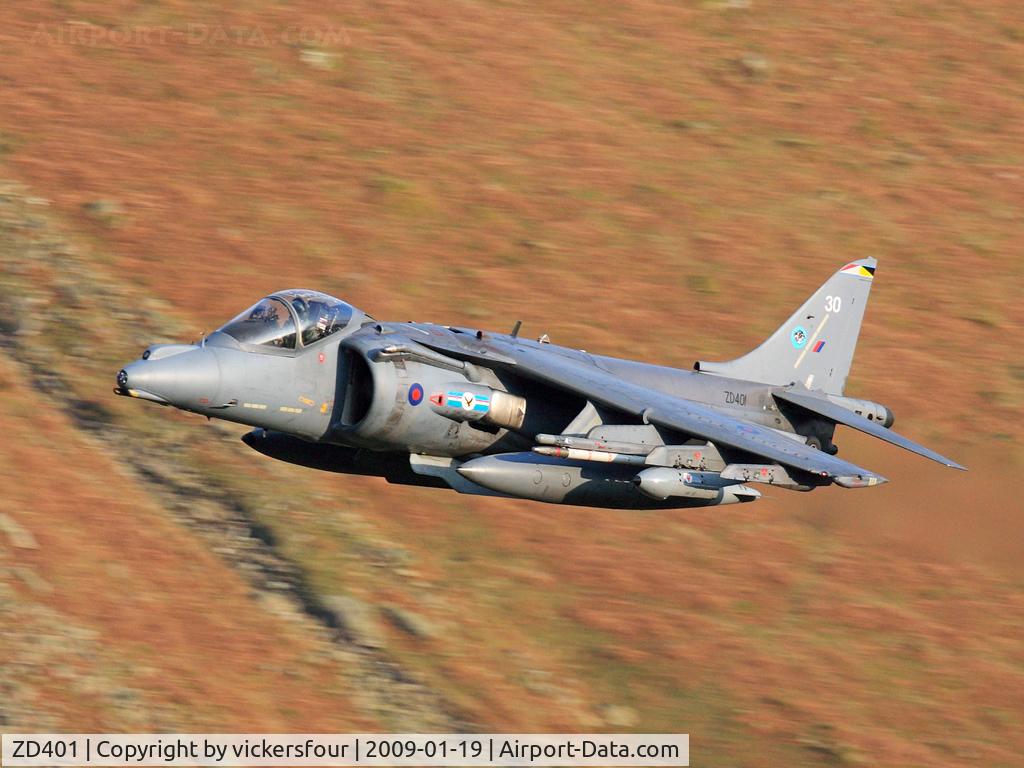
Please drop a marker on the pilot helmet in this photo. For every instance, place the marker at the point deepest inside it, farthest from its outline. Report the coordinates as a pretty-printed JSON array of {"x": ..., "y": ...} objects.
[{"x": 301, "y": 307}]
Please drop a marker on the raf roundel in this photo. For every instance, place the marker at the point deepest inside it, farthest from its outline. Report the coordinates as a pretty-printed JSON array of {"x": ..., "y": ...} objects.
[{"x": 415, "y": 394}]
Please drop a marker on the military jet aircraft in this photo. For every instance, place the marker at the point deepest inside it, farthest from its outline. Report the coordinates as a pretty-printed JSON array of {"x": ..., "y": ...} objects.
[{"x": 326, "y": 386}]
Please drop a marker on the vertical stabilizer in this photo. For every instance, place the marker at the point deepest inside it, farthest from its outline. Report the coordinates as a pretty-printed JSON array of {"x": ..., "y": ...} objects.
[{"x": 815, "y": 346}]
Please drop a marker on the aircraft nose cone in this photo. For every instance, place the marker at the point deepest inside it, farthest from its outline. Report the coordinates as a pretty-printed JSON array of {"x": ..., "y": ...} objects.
[{"x": 185, "y": 376}]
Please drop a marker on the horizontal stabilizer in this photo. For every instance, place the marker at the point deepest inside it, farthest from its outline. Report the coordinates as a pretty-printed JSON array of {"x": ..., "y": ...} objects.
[{"x": 829, "y": 410}]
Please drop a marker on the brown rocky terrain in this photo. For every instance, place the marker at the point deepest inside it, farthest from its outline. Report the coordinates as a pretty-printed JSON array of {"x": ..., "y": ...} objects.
[{"x": 656, "y": 181}]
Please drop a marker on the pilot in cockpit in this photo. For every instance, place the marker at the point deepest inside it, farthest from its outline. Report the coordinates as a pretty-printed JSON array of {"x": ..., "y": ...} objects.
[
  {"x": 272, "y": 322},
  {"x": 316, "y": 318},
  {"x": 268, "y": 323}
]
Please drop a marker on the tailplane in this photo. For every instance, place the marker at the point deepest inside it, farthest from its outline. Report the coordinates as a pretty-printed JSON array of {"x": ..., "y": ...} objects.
[{"x": 815, "y": 346}]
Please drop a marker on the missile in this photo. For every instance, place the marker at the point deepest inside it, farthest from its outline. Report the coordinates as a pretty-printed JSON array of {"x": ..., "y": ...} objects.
[
  {"x": 585, "y": 443},
  {"x": 700, "y": 457},
  {"x": 580, "y": 454}
]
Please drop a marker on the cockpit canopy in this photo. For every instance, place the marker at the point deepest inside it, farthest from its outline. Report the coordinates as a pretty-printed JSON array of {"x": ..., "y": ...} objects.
[{"x": 287, "y": 318}]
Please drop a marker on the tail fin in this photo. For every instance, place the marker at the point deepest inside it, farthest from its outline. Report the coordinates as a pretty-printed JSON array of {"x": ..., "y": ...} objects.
[{"x": 815, "y": 346}]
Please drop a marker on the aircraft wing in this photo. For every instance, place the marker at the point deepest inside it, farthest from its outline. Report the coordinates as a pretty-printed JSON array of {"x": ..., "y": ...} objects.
[
  {"x": 678, "y": 414},
  {"x": 825, "y": 407}
]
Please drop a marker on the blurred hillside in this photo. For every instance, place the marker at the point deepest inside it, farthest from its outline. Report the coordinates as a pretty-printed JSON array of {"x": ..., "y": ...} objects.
[{"x": 648, "y": 180}]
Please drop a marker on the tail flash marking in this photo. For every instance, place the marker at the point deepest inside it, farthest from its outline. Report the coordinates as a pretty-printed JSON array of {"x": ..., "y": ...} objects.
[
  {"x": 860, "y": 270},
  {"x": 814, "y": 338}
]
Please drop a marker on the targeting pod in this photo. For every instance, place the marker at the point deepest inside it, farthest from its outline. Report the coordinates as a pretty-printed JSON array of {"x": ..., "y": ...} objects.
[{"x": 666, "y": 482}]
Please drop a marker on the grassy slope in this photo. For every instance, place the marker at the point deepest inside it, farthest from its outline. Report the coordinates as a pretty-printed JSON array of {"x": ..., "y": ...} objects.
[
  {"x": 691, "y": 169},
  {"x": 119, "y": 619}
]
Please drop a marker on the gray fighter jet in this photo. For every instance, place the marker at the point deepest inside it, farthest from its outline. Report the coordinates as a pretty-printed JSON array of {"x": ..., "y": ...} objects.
[{"x": 326, "y": 386}]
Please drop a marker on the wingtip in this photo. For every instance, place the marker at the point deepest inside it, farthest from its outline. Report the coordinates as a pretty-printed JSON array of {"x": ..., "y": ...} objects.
[{"x": 944, "y": 460}]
